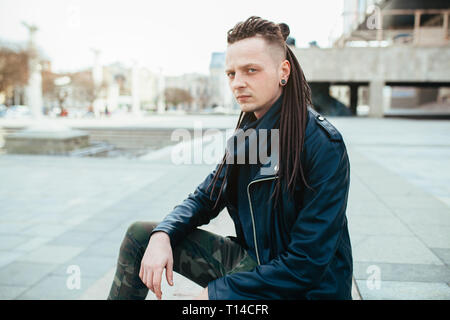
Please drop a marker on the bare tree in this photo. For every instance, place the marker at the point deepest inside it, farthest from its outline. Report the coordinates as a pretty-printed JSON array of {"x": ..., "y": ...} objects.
[
  {"x": 83, "y": 86},
  {"x": 176, "y": 96},
  {"x": 13, "y": 70}
]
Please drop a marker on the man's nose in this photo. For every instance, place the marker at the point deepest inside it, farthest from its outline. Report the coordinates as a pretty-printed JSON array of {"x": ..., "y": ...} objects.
[{"x": 237, "y": 82}]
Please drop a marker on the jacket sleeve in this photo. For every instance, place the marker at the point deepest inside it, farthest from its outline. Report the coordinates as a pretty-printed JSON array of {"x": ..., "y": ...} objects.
[
  {"x": 314, "y": 237},
  {"x": 195, "y": 210}
]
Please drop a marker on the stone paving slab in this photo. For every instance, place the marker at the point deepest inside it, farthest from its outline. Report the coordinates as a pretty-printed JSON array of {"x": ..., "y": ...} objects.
[
  {"x": 90, "y": 265},
  {"x": 414, "y": 216},
  {"x": 33, "y": 243},
  {"x": 373, "y": 225},
  {"x": 24, "y": 273},
  {"x": 9, "y": 256},
  {"x": 443, "y": 254},
  {"x": 53, "y": 253},
  {"x": 401, "y": 290},
  {"x": 432, "y": 235},
  {"x": 75, "y": 238},
  {"x": 9, "y": 241},
  {"x": 394, "y": 249},
  {"x": 403, "y": 272},
  {"x": 53, "y": 287}
]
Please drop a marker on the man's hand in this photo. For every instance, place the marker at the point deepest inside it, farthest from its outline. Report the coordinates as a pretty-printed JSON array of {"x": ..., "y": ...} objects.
[
  {"x": 203, "y": 295},
  {"x": 157, "y": 257}
]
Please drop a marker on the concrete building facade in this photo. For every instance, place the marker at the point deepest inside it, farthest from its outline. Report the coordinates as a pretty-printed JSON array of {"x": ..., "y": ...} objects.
[
  {"x": 220, "y": 91},
  {"x": 390, "y": 48}
]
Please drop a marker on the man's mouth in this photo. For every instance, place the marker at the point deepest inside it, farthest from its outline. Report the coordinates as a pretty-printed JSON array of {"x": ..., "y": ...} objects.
[{"x": 242, "y": 97}]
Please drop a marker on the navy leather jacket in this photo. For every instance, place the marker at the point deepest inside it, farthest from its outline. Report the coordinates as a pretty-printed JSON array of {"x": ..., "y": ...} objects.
[{"x": 302, "y": 246}]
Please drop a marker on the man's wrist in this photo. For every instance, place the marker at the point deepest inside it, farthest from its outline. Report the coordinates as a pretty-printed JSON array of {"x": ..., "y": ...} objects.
[{"x": 161, "y": 235}]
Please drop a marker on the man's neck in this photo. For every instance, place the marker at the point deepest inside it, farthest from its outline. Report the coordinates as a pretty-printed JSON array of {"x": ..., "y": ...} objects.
[{"x": 263, "y": 111}]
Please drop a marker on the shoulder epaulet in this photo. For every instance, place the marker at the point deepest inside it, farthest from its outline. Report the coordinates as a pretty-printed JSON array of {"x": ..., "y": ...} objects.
[{"x": 323, "y": 123}]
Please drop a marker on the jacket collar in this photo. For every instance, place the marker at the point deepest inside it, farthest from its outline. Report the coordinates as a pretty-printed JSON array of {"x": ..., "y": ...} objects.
[{"x": 270, "y": 120}]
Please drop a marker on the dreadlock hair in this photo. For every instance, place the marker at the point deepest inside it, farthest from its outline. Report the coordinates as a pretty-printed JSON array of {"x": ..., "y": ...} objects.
[{"x": 296, "y": 98}]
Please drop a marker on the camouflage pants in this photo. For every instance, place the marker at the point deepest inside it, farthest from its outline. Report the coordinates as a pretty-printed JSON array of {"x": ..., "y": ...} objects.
[{"x": 201, "y": 256}]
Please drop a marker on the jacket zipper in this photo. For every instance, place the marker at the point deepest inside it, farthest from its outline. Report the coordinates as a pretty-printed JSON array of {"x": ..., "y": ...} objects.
[{"x": 251, "y": 213}]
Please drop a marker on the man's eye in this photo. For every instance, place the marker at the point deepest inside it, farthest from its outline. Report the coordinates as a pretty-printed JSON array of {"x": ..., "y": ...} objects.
[
  {"x": 229, "y": 74},
  {"x": 252, "y": 70}
]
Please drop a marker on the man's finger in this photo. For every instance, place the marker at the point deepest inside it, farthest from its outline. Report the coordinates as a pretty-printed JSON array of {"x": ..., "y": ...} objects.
[
  {"x": 144, "y": 277},
  {"x": 157, "y": 282},
  {"x": 169, "y": 272},
  {"x": 150, "y": 281}
]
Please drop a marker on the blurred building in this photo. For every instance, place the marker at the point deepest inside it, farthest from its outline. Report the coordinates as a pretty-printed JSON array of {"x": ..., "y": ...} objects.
[
  {"x": 208, "y": 92},
  {"x": 77, "y": 91},
  {"x": 222, "y": 96},
  {"x": 414, "y": 22},
  {"x": 392, "y": 58},
  {"x": 196, "y": 86},
  {"x": 118, "y": 84}
]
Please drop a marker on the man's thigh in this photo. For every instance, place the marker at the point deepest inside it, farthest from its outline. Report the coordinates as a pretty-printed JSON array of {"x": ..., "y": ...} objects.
[{"x": 201, "y": 256}]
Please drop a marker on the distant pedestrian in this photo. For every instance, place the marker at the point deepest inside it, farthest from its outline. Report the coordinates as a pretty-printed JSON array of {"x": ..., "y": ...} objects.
[{"x": 64, "y": 112}]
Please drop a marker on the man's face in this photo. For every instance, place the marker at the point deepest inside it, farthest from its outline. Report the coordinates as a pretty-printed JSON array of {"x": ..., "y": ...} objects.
[{"x": 254, "y": 70}]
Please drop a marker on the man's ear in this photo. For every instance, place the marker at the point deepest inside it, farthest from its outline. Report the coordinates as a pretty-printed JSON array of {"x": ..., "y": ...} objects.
[{"x": 285, "y": 69}]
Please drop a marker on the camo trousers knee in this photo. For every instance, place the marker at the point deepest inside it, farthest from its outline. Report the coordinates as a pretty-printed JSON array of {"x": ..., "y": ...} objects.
[{"x": 201, "y": 256}]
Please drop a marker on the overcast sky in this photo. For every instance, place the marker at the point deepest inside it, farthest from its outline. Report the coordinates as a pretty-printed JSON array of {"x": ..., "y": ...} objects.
[{"x": 175, "y": 35}]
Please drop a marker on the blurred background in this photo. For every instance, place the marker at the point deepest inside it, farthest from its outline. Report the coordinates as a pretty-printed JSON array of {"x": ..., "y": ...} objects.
[
  {"x": 89, "y": 59},
  {"x": 92, "y": 91}
]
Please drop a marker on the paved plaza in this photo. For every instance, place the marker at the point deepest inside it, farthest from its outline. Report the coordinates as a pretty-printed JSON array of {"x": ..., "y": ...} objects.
[{"x": 57, "y": 212}]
